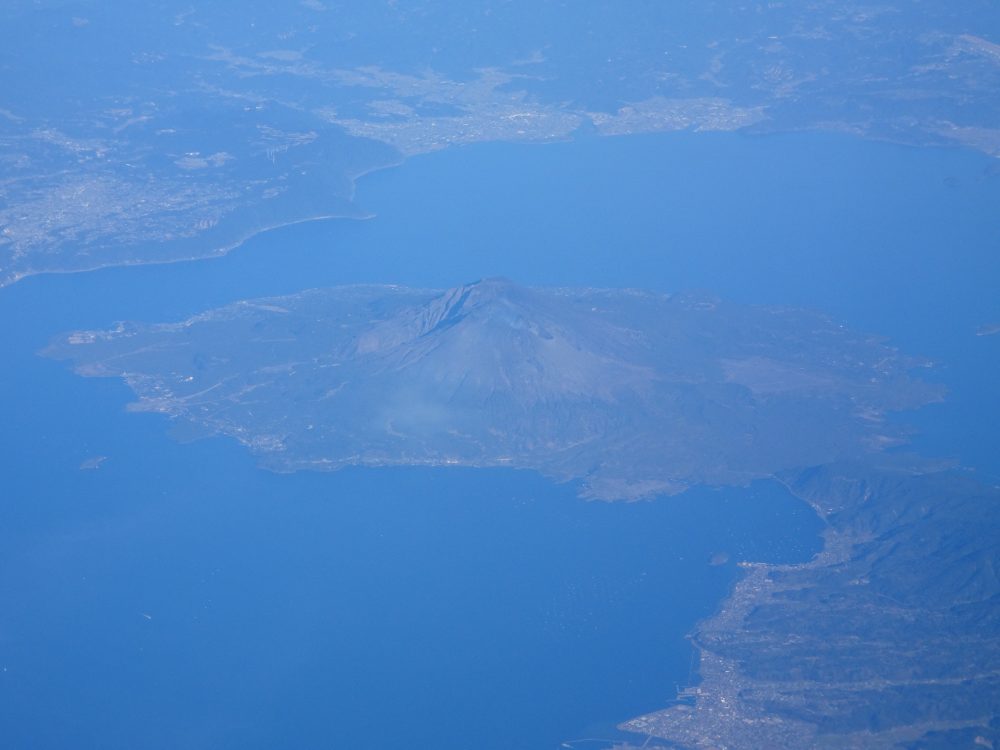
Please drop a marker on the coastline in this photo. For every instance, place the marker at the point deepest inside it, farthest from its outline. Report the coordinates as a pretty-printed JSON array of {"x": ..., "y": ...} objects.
[
  {"x": 766, "y": 127},
  {"x": 217, "y": 252},
  {"x": 754, "y": 688}
]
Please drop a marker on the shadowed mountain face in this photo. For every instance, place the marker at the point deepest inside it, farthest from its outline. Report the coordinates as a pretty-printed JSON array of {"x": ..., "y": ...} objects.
[{"x": 632, "y": 392}]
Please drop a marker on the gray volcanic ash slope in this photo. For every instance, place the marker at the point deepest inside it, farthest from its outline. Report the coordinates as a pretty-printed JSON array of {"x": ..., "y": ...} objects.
[{"x": 633, "y": 393}]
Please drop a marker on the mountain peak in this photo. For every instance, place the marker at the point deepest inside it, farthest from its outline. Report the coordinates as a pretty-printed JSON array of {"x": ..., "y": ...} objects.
[
  {"x": 494, "y": 301},
  {"x": 484, "y": 292},
  {"x": 636, "y": 393},
  {"x": 494, "y": 283}
]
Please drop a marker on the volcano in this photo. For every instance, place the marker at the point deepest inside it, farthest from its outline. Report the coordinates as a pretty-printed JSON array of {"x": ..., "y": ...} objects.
[{"x": 631, "y": 392}]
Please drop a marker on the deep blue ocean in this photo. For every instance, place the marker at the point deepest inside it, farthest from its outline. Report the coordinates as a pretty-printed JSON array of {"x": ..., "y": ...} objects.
[{"x": 179, "y": 597}]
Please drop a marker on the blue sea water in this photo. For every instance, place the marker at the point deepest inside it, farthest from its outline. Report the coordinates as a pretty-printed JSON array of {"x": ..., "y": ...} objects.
[{"x": 179, "y": 597}]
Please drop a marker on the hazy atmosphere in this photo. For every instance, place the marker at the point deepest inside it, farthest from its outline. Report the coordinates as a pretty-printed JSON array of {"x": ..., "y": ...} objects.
[{"x": 502, "y": 375}]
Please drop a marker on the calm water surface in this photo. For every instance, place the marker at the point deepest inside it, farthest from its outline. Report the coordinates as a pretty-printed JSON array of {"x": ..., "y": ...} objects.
[{"x": 178, "y": 596}]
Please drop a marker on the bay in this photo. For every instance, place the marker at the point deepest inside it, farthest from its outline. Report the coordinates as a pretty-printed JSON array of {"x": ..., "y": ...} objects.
[{"x": 178, "y": 596}]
